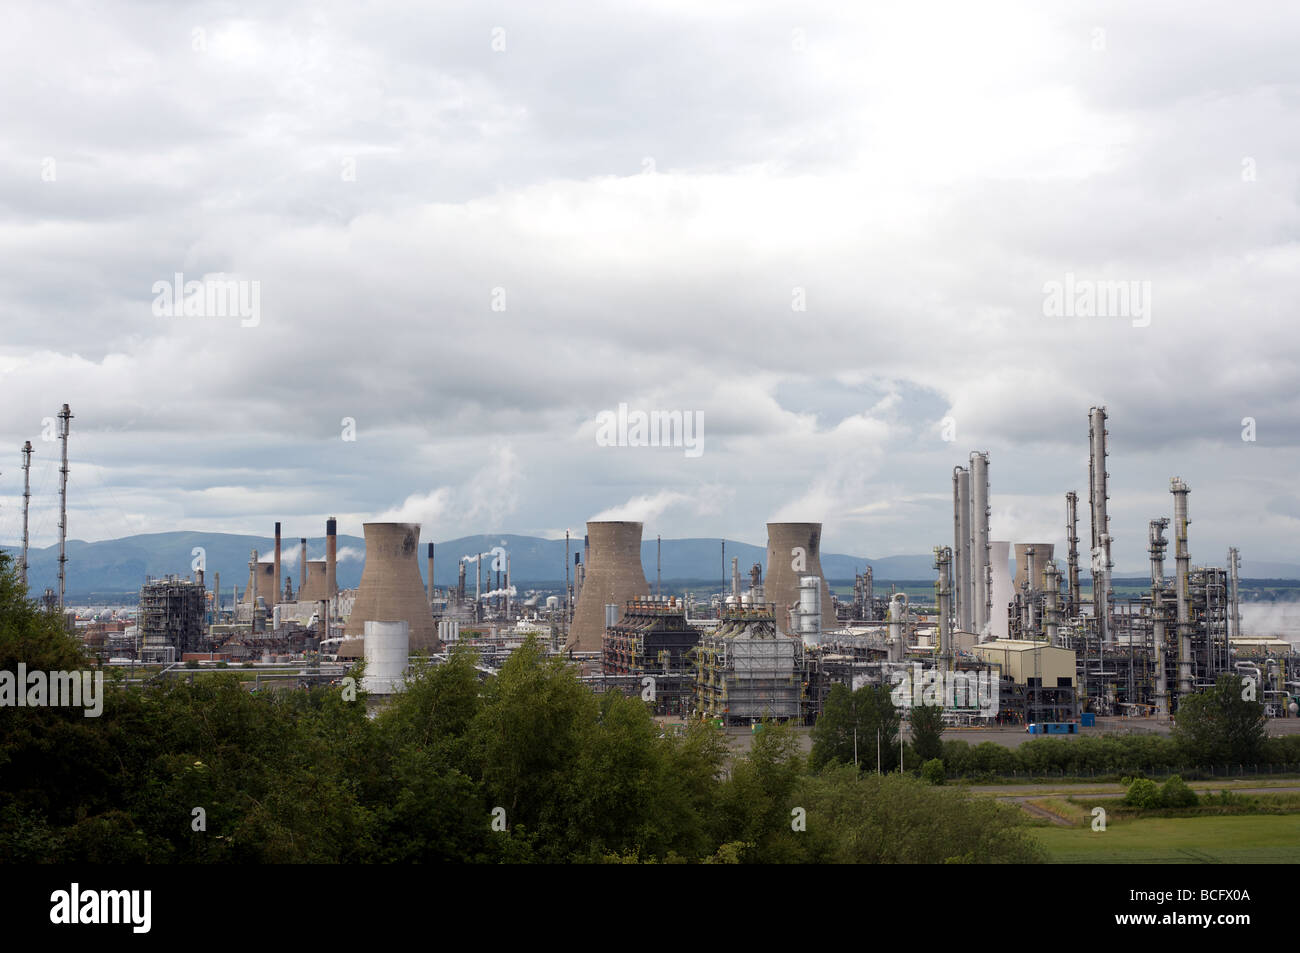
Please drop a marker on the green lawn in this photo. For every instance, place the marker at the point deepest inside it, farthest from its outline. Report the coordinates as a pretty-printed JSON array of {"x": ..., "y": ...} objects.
[{"x": 1259, "y": 839}]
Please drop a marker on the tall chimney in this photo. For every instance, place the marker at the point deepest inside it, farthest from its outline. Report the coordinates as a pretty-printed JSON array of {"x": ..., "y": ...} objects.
[
  {"x": 332, "y": 558},
  {"x": 278, "y": 588},
  {"x": 429, "y": 584},
  {"x": 302, "y": 568}
]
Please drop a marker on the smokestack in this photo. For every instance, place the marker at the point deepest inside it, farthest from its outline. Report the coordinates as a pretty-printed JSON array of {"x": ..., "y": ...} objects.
[
  {"x": 302, "y": 569},
  {"x": 794, "y": 551},
  {"x": 27, "y": 496},
  {"x": 391, "y": 589},
  {"x": 961, "y": 548},
  {"x": 279, "y": 591},
  {"x": 332, "y": 560},
  {"x": 1101, "y": 564},
  {"x": 65, "y": 427},
  {"x": 659, "y": 565},
  {"x": 1182, "y": 559},
  {"x": 568, "y": 591},
  {"x": 429, "y": 584},
  {"x": 979, "y": 557},
  {"x": 614, "y": 576}
]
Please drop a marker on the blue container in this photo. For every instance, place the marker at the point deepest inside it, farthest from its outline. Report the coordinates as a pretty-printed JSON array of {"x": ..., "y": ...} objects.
[{"x": 1088, "y": 719}]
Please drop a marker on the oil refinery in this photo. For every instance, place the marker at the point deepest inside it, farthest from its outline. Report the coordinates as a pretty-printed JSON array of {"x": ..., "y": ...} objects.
[{"x": 1060, "y": 653}]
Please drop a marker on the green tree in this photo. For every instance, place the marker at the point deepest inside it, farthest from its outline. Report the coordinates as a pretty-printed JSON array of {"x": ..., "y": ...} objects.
[
  {"x": 932, "y": 772},
  {"x": 926, "y": 722},
  {"x": 1219, "y": 725},
  {"x": 1175, "y": 793},
  {"x": 855, "y": 720}
]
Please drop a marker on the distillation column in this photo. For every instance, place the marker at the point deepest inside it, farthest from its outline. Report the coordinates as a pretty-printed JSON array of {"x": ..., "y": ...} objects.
[
  {"x": 1181, "y": 558},
  {"x": 1101, "y": 563}
]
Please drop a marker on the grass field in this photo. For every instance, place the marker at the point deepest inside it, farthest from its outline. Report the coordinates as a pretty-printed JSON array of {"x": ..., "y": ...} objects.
[{"x": 1259, "y": 839}]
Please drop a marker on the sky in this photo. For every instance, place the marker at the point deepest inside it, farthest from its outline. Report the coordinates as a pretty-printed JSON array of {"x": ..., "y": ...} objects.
[{"x": 835, "y": 237}]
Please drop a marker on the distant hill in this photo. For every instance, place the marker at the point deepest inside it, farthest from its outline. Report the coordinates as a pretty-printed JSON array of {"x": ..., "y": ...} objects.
[{"x": 121, "y": 565}]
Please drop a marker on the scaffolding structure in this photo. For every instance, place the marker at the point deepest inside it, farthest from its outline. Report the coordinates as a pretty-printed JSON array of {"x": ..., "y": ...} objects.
[
  {"x": 171, "y": 618},
  {"x": 746, "y": 670}
]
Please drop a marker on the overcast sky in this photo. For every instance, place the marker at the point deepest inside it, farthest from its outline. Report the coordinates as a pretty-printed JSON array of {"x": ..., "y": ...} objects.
[{"x": 474, "y": 227}]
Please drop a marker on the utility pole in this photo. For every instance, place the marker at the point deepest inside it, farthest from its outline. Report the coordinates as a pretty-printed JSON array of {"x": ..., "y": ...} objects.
[
  {"x": 27, "y": 496},
  {"x": 65, "y": 416}
]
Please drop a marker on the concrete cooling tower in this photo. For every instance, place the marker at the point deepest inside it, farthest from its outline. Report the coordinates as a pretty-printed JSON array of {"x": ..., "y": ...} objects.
[
  {"x": 391, "y": 589},
  {"x": 265, "y": 585},
  {"x": 793, "y": 551},
  {"x": 613, "y": 576},
  {"x": 1042, "y": 553},
  {"x": 314, "y": 589},
  {"x": 1003, "y": 594}
]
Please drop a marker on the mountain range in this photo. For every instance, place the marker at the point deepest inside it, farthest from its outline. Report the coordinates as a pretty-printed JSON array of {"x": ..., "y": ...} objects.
[{"x": 121, "y": 565}]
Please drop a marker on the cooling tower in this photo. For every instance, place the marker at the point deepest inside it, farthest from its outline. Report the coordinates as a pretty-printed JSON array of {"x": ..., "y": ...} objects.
[
  {"x": 314, "y": 589},
  {"x": 794, "y": 551},
  {"x": 1003, "y": 594},
  {"x": 613, "y": 577},
  {"x": 1042, "y": 553},
  {"x": 391, "y": 589},
  {"x": 265, "y": 584}
]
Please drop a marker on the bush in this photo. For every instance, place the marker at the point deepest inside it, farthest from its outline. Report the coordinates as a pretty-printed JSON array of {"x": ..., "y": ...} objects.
[
  {"x": 1143, "y": 793},
  {"x": 1176, "y": 793},
  {"x": 932, "y": 771}
]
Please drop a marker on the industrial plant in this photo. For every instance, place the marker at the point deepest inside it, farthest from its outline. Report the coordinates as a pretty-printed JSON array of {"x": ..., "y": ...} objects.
[{"x": 767, "y": 643}]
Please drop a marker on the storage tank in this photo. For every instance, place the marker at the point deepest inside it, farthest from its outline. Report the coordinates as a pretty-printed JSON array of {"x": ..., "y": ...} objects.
[
  {"x": 391, "y": 588},
  {"x": 387, "y": 649},
  {"x": 613, "y": 576},
  {"x": 794, "y": 551}
]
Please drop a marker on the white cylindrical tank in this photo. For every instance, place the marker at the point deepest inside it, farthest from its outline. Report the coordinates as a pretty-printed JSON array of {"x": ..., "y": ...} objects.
[
  {"x": 387, "y": 649},
  {"x": 897, "y": 626},
  {"x": 552, "y": 602}
]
